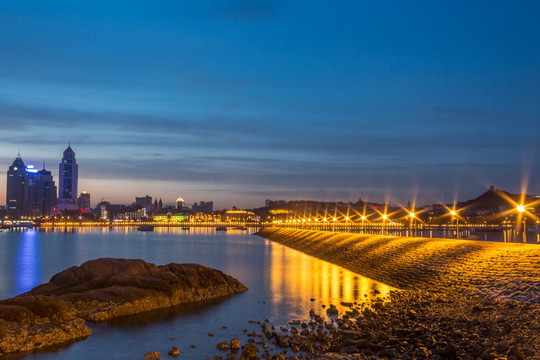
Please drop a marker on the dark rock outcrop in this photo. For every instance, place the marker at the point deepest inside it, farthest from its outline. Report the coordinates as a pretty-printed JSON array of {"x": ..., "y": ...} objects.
[{"x": 55, "y": 312}]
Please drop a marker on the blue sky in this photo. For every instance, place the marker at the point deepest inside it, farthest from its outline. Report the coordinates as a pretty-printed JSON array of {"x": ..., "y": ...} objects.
[{"x": 239, "y": 101}]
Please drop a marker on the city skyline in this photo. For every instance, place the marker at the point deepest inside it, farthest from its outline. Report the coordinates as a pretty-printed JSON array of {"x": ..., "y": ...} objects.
[
  {"x": 241, "y": 101},
  {"x": 69, "y": 157}
]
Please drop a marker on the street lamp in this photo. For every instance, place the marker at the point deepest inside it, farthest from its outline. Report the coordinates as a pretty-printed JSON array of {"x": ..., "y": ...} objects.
[
  {"x": 413, "y": 216},
  {"x": 363, "y": 223},
  {"x": 384, "y": 217},
  {"x": 454, "y": 214},
  {"x": 521, "y": 209}
]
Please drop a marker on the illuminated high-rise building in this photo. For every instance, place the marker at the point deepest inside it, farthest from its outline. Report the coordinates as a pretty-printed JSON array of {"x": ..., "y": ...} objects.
[
  {"x": 180, "y": 203},
  {"x": 41, "y": 192},
  {"x": 17, "y": 188},
  {"x": 69, "y": 176}
]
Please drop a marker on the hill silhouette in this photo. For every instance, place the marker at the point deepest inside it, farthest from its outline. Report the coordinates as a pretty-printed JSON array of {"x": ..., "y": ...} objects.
[{"x": 493, "y": 199}]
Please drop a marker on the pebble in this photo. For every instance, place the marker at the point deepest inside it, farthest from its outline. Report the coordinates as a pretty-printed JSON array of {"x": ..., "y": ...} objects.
[
  {"x": 174, "y": 351},
  {"x": 223, "y": 346},
  {"x": 235, "y": 344},
  {"x": 152, "y": 355}
]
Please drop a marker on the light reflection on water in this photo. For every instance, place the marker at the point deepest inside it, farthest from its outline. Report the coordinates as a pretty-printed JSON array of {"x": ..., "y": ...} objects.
[
  {"x": 28, "y": 266},
  {"x": 281, "y": 284}
]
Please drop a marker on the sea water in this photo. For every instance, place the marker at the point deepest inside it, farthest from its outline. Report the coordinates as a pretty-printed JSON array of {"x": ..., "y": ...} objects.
[{"x": 284, "y": 284}]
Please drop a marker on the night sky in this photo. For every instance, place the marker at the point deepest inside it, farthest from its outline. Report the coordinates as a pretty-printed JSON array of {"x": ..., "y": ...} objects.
[{"x": 240, "y": 101}]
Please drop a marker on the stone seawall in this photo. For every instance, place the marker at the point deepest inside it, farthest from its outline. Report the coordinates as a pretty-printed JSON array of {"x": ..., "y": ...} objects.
[{"x": 502, "y": 271}]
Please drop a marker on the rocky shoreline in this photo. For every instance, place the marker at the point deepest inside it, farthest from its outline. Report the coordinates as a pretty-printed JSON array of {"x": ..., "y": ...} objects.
[
  {"x": 56, "y": 312},
  {"x": 459, "y": 300},
  {"x": 407, "y": 325}
]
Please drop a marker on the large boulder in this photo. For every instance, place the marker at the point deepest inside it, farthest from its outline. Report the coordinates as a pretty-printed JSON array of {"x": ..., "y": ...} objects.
[{"x": 55, "y": 312}]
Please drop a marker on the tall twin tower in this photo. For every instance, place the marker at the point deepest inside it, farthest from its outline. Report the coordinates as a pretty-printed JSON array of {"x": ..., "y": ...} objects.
[{"x": 32, "y": 192}]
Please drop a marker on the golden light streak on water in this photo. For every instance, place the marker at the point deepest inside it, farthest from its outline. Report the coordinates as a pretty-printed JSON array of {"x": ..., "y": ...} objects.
[
  {"x": 348, "y": 285},
  {"x": 314, "y": 278}
]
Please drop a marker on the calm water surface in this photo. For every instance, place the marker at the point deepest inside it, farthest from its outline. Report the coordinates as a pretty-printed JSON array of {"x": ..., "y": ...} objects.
[{"x": 281, "y": 282}]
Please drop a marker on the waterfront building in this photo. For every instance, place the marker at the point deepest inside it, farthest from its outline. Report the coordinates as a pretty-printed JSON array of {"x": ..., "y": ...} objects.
[
  {"x": 204, "y": 217},
  {"x": 103, "y": 209},
  {"x": 281, "y": 214},
  {"x": 17, "y": 188},
  {"x": 83, "y": 202},
  {"x": 133, "y": 215},
  {"x": 180, "y": 203},
  {"x": 238, "y": 215},
  {"x": 69, "y": 176},
  {"x": 41, "y": 192},
  {"x": 170, "y": 218},
  {"x": 144, "y": 202}
]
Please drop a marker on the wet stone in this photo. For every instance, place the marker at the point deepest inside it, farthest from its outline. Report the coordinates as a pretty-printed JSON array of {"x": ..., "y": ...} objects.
[{"x": 174, "y": 351}]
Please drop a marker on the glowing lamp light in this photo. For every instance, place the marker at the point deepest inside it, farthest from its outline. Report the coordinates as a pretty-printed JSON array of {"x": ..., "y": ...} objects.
[
  {"x": 347, "y": 218},
  {"x": 324, "y": 219},
  {"x": 384, "y": 216},
  {"x": 453, "y": 212},
  {"x": 334, "y": 219},
  {"x": 363, "y": 217},
  {"x": 521, "y": 208},
  {"x": 412, "y": 215}
]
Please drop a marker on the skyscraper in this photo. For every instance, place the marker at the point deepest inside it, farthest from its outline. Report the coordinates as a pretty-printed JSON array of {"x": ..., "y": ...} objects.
[
  {"x": 41, "y": 192},
  {"x": 69, "y": 174},
  {"x": 17, "y": 188}
]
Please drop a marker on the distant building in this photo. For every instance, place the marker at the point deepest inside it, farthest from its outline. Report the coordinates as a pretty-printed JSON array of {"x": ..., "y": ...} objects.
[
  {"x": 180, "y": 203},
  {"x": 103, "y": 210},
  {"x": 274, "y": 203},
  {"x": 281, "y": 214},
  {"x": 205, "y": 207},
  {"x": 83, "y": 202},
  {"x": 205, "y": 217},
  {"x": 238, "y": 215},
  {"x": 170, "y": 218},
  {"x": 41, "y": 192},
  {"x": 133, "y": 214},
  {"x": 69, "y": 177},
  {"x": 17, "y": 188},
  {"x": 144, "y": 202}
]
